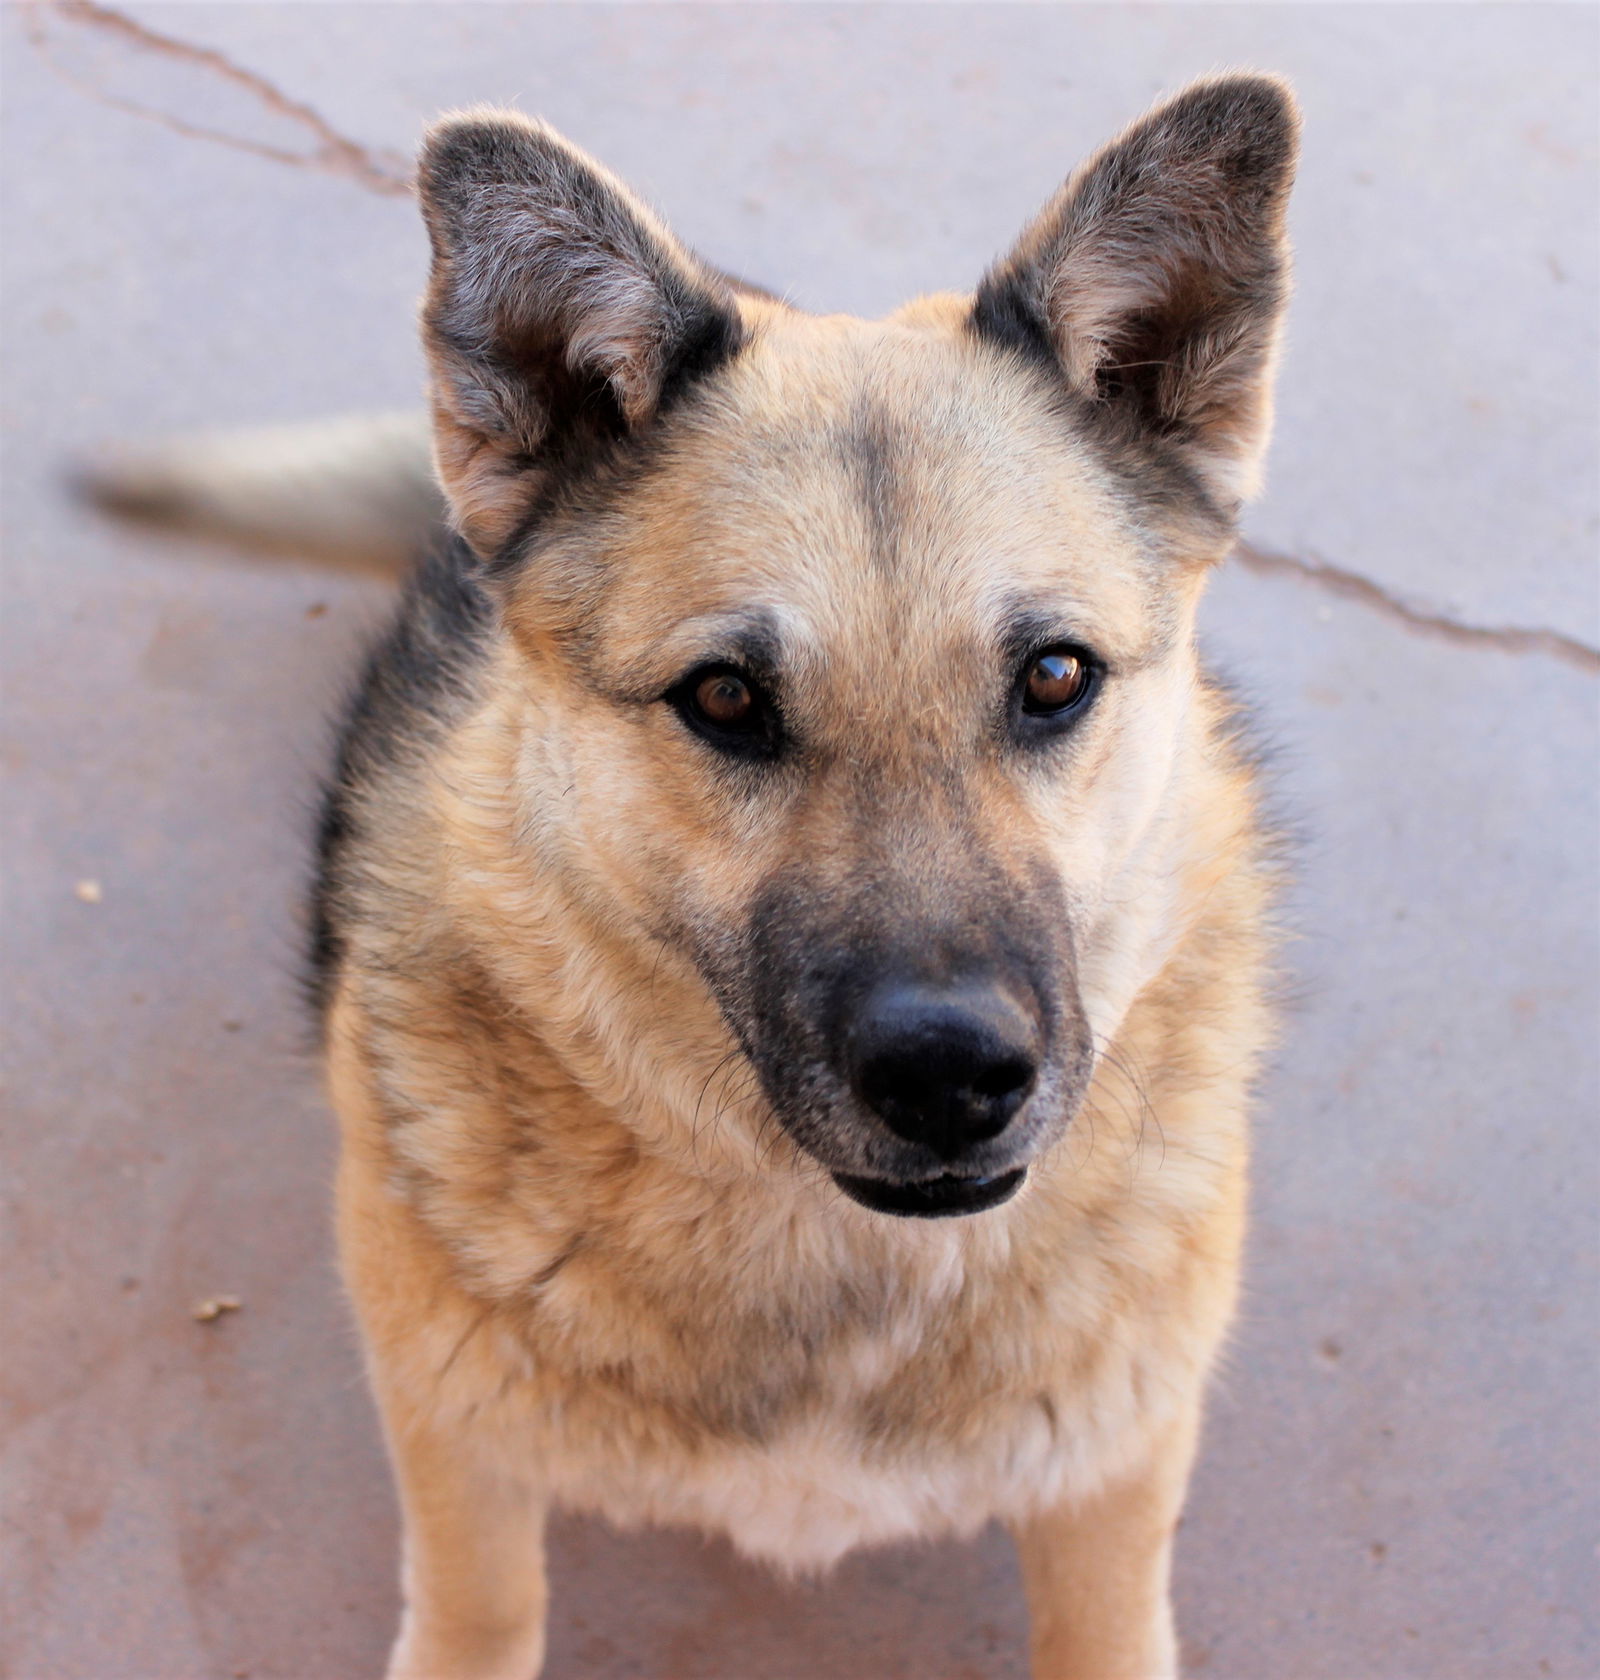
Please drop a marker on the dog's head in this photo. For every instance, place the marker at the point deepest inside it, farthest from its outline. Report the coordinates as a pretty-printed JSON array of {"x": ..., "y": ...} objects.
[{"x": 860, "y": 654}]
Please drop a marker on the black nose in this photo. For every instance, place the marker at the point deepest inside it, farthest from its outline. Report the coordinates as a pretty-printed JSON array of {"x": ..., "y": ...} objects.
[{"x": 944, "y": 1066}]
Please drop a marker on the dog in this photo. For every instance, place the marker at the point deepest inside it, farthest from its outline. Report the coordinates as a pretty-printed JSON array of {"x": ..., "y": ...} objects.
[{"x": 793, "y": 922}]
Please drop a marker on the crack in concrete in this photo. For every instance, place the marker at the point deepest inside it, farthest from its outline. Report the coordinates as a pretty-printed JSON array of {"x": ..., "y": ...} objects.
[
  {"x": 386, "y": 173},
  {"x": 1355, "y": 586},
  {"x": 334, "y": 154}
]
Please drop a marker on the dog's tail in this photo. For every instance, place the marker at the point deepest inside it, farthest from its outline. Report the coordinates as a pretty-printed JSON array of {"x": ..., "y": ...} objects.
[{"x": 357, "y": 492}]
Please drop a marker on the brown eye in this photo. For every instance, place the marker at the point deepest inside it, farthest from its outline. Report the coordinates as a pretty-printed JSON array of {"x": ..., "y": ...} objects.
[
  {"x": 1057, "y": 680},
  {"x": 729, "y": 711},
  {"x": 724, "y": 698}
]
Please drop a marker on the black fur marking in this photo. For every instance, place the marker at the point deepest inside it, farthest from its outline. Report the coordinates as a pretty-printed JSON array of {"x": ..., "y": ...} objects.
[
  {"x": 710, "y": 339},
  {"x": 1003, "y": 314},
  {"x": 871, "y": 451},
  {"x": 585, "y": 475},
  {"x": 579, "y": 471},
  {"x": 414, "y": 678}
]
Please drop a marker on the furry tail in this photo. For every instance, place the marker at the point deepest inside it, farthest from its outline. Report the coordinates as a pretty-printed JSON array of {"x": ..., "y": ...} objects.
[{"x": 357, "y": 492}]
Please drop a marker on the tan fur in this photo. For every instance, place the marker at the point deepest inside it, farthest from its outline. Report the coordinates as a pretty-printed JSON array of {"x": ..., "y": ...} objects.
[{"x": 590, "y": 1267}]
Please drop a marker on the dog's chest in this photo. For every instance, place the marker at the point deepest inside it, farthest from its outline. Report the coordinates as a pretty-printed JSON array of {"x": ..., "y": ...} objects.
[
  {"x": 918, "y": 1402},
  {"x": 801, "y": 1463},
  {"x": 818, "y": 1490}
]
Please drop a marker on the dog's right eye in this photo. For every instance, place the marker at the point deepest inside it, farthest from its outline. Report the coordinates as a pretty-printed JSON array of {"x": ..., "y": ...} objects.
[
  {"x": 725, "y": 699},
  {"x": 725, "y": 706}
]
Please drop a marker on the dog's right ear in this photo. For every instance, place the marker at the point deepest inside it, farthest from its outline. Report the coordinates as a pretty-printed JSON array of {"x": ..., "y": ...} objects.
[{"x": 561, "y": 315}]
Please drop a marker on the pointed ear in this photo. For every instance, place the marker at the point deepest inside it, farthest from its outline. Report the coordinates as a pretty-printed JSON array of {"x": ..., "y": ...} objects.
[
  {"x": 560, "y": 316},
  {"x": 1156, "y": 278}
]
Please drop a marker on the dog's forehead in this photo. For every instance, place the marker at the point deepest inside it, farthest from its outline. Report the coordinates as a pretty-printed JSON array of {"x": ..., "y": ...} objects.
[{"x": 846, "y": 478}]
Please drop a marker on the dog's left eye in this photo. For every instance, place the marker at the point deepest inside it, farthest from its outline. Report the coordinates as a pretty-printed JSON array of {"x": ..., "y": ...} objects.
[
  {"x": 725, "y": 706},
  {"x": 1057, "y": 681}
]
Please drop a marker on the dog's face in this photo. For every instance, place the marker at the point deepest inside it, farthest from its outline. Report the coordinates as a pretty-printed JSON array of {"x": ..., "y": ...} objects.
[{"x": 863, "y": 650}]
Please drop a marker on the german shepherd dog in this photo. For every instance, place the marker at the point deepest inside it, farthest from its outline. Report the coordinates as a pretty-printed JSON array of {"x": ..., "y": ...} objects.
[{"x": 793, "y": 917}]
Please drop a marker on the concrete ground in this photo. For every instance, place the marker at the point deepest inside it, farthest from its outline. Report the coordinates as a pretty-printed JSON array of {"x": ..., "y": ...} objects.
[{"x": 1400, "y": 1477}]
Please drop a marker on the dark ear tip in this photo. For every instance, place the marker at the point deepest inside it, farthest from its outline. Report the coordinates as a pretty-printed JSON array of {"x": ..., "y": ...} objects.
[
  {"x": 1262, "y": 90},
  {"x": 1250, "y": 103},
  {"x": 1244, "y": 125},
  {"x": 481, "y": 147}
]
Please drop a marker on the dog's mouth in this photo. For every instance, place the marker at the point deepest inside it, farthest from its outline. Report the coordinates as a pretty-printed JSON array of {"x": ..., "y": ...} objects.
[{"x": 946, "y": 1197}]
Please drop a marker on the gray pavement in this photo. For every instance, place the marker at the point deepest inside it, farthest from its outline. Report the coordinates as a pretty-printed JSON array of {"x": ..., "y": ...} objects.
[{"x": 1401, "y": 1473}]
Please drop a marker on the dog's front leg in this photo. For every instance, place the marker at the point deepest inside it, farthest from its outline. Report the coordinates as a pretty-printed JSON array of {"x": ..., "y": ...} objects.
[
  {"x": 473, "y": 1560},
  {"x": 473, "y": 1509},
  {"x": 1098, "y": 1572}
]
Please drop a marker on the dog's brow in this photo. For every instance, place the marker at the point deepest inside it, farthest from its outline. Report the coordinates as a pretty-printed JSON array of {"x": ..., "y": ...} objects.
[
  {"x": 1028, "y": 625},
  {"x": 748, "y": 640}
]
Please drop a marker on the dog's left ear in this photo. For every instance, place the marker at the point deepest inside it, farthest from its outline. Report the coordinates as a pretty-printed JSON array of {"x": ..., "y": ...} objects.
[
  {"x": 1155, "y": 280},
  {"x": 561, "y": 315}
]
